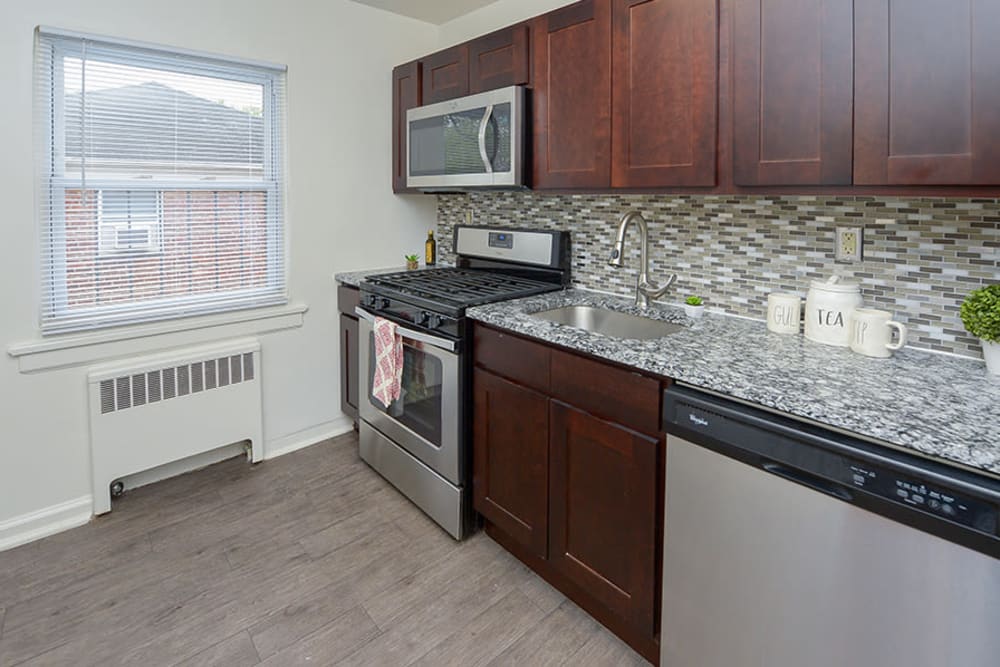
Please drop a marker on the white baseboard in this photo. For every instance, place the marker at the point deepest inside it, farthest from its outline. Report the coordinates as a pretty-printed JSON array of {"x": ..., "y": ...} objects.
[
  {"x": 287, "y": 444},
  {"x": 57, "y": 518},
  {"x": 49, "y": 521}
]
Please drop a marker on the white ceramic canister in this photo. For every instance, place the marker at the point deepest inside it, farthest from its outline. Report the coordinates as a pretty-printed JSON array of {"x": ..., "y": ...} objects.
[
  {"x": 828, "y": 310},
  {"x": 784, "y": 313}
]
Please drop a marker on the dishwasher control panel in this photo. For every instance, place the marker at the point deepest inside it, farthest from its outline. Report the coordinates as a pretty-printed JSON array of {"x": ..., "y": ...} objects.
[
  {"x": 932, "y": 498},
  {"x": 958, "y": 505}
]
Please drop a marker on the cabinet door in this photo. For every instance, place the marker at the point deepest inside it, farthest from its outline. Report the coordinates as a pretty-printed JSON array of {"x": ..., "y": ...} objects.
[
  {"x": 793, "y": 92},
  {"x": 665, "y": 77},
  {"x": 603, "y": 511},
  {"x": 927, "y": 92},
  {"x": 499, "y": 60},
  {"x": 349, "y": 385},
  {"x": 446, "y": 75},
  {"x": 572, "y": 97},
  {"x": 405, "y": 96},
  {"x": 511, "y": 459}
]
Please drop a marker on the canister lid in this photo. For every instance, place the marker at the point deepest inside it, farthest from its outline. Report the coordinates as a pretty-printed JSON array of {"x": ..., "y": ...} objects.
[{"x": 835, "y": 284}]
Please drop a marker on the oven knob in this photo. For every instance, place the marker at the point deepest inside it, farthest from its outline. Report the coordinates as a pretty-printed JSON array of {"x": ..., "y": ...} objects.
[
  {"x": 385, "y": 304},
  {"x": 372, "y": 300},
  {"x": 425, "y": 317},
  {"x": 434, "y": 321}
]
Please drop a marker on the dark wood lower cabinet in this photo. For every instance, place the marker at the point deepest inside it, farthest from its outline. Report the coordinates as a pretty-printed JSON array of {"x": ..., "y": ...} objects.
[
  {"x": 349, "y": 381},
  {"x": 350, "y": 384},
  {"x": 602, "y": 501},
  {"x": 511, "y": 459},
  {"x": 569, "y": 476}
]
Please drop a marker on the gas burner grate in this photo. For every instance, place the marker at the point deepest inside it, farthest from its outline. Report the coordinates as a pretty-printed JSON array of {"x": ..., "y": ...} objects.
[{"x": 459, "y": 288}]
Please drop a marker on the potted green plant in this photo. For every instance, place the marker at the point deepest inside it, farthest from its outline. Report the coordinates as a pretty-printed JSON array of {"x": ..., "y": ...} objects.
[
  {"x": 412, "y": 262},
  {"x": 694, "y": 306},
  {"x": 981, "y": 317}
]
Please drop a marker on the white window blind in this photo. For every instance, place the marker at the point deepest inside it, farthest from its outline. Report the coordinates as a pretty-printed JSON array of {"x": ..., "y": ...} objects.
[{"x": 161, "y": 182}]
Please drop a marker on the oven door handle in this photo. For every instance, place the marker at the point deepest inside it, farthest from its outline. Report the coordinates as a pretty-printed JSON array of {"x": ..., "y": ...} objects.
[{"x": 442, "y": 343}]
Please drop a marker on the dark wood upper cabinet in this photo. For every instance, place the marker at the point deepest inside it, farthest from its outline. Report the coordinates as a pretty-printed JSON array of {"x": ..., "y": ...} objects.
[
  {"x": 499, "y": 59},
  {"x": 603, "y": 535},
  {"x": 405, "y": 95},
  {"x": 511, "y": 459},
  {"x": 446, "y": 74},
  {"x": 927, "y": 92},
  {"x": 793, "y": 92},
  {"x": 665, "y": 93},
  {"x": 572, "y": 97}
]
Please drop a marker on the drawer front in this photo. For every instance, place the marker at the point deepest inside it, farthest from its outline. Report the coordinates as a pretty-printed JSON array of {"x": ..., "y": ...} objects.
[
  {"x": 512, "y": 357},
  {"x": 347, "y": 299},
  {"x": 609, "y": 392}
]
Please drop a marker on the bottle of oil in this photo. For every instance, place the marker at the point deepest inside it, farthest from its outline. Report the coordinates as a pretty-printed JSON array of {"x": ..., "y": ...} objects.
[{"x": 430, "y": 249}]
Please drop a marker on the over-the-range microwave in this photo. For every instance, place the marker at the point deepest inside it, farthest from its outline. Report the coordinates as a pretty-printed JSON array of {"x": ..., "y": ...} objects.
[{"x": 467, "y": 143}]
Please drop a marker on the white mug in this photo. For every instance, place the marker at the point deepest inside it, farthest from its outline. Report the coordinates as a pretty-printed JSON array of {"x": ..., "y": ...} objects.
[
  {"x": 871, "y": 333},
  {"x": 784, "y": 312}
]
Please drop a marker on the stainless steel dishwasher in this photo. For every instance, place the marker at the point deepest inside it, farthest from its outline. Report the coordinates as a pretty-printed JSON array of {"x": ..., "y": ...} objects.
[{"x": 790, "y": 545}]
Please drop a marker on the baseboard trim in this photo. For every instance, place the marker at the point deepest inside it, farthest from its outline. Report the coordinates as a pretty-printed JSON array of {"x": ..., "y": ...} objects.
[
  {"x": 287, "y": 444},
  {"x": 49, "y": 521}
]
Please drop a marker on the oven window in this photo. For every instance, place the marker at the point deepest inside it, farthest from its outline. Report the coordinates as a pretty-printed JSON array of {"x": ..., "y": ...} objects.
[{"x": 419, "y": 404}]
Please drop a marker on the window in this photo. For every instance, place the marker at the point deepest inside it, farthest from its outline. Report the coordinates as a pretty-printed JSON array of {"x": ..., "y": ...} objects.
[
  {"x": 128, "y": 221},
  {"x": 161, "y": 182}
]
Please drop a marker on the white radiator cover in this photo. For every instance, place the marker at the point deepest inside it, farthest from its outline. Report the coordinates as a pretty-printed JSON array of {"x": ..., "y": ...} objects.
[{"x": 152, "y": 410}]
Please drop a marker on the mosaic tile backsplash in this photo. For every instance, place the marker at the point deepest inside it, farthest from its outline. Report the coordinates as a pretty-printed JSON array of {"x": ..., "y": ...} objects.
[{"x": 921, "y": 256}]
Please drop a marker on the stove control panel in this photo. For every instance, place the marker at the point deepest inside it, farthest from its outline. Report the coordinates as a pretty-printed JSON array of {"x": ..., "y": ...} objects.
[
  {"x": 410, "y": 315},
  {"x": 502, "y": 240}
]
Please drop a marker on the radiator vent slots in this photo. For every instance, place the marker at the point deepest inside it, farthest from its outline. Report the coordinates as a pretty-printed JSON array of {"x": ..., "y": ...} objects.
[{"x": 164, "y": 384}]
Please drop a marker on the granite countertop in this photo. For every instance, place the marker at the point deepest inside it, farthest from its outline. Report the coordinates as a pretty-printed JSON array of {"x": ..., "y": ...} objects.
[{"x": 944, "y": 407}]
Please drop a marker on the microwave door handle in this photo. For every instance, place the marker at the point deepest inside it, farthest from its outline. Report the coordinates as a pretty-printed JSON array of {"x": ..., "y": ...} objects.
[{"x": 482, "y": 139}]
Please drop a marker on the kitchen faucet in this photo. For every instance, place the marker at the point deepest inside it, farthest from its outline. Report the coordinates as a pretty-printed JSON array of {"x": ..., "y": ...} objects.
[{"x": 644, "y": 290}]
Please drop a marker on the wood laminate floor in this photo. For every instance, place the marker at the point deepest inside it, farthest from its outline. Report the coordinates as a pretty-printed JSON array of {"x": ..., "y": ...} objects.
[{"x": 308, "y": 559}]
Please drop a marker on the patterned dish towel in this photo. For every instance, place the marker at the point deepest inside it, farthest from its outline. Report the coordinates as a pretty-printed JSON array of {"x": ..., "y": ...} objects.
[{"x": 388, "y": 380}]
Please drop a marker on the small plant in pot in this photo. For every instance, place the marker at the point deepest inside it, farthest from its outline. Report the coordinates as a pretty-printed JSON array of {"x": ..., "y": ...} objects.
[
  {"x": 981, "y": 317},
  {"x": 694, "y": 306},
  {"x": 412, "y": 262}
]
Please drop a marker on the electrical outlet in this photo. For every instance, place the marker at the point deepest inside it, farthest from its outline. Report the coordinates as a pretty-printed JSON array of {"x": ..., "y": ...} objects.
[
  {"x": 469, "y": 217},
  {"x": 849, "y": 244}
]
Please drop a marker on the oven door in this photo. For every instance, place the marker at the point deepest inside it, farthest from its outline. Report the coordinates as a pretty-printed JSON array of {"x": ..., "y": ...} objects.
[{"x": 425, "y": 420}]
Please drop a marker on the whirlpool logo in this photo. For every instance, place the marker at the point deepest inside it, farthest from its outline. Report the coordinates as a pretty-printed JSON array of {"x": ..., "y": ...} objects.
[{"x": 695, "y": 419}]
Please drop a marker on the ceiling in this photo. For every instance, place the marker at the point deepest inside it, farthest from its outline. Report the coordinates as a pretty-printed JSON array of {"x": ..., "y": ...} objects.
[{"x": 432, "y": 11}]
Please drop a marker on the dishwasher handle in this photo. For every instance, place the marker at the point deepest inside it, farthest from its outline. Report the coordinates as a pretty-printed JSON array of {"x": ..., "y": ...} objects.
[{"x": 807, "y": 479}]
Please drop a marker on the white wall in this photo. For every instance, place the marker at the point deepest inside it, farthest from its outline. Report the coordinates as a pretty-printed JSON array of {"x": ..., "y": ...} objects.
[
  {"x": 341, "y": 213},
  {"x": 493, "y": 17}
]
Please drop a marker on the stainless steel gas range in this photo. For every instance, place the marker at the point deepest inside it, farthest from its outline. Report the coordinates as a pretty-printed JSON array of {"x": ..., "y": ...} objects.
[{"x": 421, "y": 442}]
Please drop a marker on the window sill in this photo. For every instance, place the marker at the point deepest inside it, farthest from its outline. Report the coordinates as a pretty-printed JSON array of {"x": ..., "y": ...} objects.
[{"x": 78, "y": 349}]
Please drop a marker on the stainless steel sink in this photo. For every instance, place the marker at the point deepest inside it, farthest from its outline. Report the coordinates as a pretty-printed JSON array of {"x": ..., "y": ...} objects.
[{"x": 609, "y": 322}]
